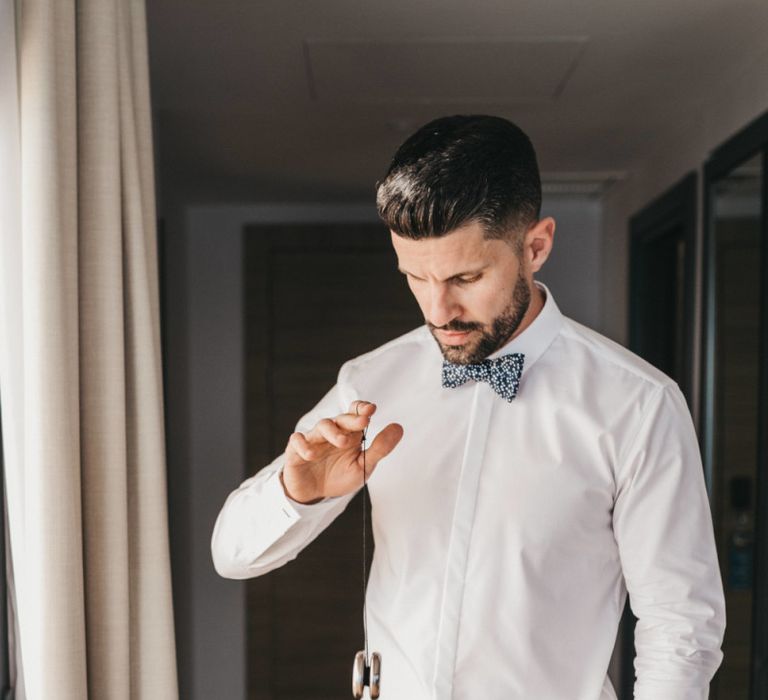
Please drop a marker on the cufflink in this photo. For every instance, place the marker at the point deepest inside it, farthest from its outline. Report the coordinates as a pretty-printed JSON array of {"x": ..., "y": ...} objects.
[{"x": 365, "y": 675}]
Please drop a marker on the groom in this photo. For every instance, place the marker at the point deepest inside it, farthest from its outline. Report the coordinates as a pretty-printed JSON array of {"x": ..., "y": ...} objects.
[{"x": 532, "y": 472}]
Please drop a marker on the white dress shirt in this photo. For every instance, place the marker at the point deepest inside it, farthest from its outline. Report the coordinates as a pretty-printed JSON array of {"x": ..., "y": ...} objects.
[{"x": 508, "y": 534}]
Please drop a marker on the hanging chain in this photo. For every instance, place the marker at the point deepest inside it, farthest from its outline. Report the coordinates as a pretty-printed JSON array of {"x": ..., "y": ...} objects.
[{"x": 365, "y": 559}]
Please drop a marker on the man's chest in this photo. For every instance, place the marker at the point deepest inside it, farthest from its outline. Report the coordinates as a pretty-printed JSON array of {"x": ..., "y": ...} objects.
[{"x": 520, "y": 476}]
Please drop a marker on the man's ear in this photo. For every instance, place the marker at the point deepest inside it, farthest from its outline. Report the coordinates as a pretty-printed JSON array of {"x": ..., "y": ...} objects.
[{"x": 538, "y": 242}]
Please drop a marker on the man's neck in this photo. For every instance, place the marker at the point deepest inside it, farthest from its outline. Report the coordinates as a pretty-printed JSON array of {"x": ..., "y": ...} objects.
[{"x": 538, "y": 298}]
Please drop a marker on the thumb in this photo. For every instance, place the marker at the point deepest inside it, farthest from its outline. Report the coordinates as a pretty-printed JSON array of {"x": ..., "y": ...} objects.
[{"x": 382, "y": 445}]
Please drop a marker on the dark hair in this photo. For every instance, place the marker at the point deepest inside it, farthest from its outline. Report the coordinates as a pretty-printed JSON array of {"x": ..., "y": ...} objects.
[{"x": 461, "y": 169}]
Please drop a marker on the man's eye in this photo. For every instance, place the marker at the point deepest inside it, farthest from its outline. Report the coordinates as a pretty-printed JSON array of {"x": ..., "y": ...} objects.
[{"x": 468, "y": 280}]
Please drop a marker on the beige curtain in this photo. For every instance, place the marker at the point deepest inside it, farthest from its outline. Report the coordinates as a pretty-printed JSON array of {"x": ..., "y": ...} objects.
[{"x": 80, "y": 365}]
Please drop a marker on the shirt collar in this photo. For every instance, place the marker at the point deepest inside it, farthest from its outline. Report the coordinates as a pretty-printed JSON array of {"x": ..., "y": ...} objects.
[{"x": 537, "y": 337}]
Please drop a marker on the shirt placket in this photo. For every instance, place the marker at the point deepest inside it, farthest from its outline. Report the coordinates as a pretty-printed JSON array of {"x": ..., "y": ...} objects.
[{"x": 458, "y": 546}]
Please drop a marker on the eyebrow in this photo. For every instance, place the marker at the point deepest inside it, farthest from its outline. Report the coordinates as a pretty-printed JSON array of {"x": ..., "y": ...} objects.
[{"x": 467, "y": 273}]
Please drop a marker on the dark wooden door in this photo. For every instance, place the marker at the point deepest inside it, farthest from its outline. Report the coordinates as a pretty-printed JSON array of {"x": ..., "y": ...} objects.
[{"x": 315, "y": 297}]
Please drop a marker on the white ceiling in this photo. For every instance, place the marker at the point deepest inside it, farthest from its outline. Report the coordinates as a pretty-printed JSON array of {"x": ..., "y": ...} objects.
[{"x": 265, "y": 100}]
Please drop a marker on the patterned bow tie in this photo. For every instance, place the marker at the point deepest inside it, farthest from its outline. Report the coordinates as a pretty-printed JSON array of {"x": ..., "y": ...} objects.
[{"x": 502, "y": 373}]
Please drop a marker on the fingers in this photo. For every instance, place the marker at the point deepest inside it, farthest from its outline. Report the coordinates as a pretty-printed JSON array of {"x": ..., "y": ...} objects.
[
  {"x": 352, "y": 423},
  {"x": 329, "y": 431},
  {"x": 355, "y": 420},
  {"x": 384, "y": 443},
  {"x": 362, "y": 408},
  {"x": 298, "y": 444},
  {"x": 342, "y": 432}
]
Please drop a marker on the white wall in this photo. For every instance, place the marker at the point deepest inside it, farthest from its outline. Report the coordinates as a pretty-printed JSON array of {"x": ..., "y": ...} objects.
[
  {"x": 203, "y": 292},
  {"x": 574, "y": 269},
  {"x": 728, "y": 107}
]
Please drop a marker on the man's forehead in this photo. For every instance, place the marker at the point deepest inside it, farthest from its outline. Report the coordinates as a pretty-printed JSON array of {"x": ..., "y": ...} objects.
[{"x": 461, "y": 249}]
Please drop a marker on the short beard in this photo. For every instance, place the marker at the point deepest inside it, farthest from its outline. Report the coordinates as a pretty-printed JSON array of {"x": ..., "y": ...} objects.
[{"x": 502, "y": 328}]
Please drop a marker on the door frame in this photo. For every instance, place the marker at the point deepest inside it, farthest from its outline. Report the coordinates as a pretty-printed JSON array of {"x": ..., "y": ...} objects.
[
  {"x": 747, "y": 143},
  {"x": 676, "y": 207}
]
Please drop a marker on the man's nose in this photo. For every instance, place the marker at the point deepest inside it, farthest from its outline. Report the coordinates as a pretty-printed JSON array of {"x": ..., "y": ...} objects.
[{"x": 443, "y": 306}]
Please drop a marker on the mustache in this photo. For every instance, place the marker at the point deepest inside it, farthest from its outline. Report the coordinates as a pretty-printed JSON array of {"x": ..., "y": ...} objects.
[{"x": 456, "y": 325}]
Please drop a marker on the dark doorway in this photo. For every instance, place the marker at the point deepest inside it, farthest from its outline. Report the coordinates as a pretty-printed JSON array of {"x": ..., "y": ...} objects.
[
  {"x": 661, "y": 316},
  {"x": 315, "y": 296},
  {"x": 662, "y": 261}
]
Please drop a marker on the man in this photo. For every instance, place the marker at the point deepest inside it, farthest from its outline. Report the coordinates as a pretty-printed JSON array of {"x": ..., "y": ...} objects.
[{"x": 535, "y": 470}]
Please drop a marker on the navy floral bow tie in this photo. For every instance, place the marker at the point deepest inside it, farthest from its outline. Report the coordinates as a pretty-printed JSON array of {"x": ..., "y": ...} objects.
[{"x": 502, "y": 373}]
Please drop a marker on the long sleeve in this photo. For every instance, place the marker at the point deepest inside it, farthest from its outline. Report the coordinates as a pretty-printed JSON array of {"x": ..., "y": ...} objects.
[
  {"x": 663, "y": 528},
  {"x": 259, "y": 528}
]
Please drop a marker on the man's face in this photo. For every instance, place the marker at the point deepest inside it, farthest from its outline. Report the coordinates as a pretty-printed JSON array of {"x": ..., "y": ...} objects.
[{"x": 473, "y": 292}]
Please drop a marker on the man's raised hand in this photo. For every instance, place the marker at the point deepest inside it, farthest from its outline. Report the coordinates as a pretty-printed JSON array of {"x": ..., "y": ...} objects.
[{"x": 328, "y": 460}]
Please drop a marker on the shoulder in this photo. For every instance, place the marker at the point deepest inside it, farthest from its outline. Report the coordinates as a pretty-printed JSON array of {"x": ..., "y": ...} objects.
[
  {"x": 412, "y": 345},
  {"x": 627, "y": 398},
  {"x": 611, "y": 360}
]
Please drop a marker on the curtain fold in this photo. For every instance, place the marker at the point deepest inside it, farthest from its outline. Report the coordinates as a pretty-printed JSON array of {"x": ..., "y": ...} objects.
[{"x": 80, "y": 364}]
